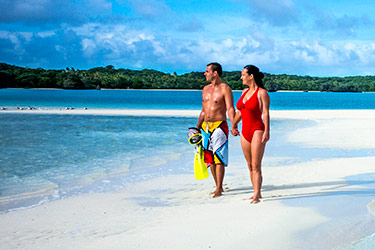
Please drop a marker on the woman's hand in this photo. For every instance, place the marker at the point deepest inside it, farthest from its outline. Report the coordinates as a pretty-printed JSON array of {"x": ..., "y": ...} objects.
[
  {"x": 235, "y": 131},
  {"x": 236, "y": 120},
  {"x": 265, "y": 137}
]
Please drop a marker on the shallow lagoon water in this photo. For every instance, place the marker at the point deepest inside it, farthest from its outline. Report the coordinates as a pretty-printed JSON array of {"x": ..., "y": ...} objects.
[{"x": 49, "y": 156}]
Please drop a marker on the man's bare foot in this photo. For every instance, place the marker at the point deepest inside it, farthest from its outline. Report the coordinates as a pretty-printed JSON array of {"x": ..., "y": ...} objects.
[
  {"x": 217, "y": 194},
  {"x": 213, "y": 192}
]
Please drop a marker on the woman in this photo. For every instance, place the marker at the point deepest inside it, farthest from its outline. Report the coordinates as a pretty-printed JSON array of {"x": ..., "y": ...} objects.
[{"x": 253, "y": 104}]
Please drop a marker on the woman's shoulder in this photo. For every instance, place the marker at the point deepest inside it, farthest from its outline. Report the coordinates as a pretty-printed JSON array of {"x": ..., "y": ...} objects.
[{"x": 262, "y": 93}]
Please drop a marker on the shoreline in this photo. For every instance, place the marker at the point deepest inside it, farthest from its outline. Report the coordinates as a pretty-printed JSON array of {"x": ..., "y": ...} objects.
[
  {"x": 278, "y": 114},
  {"x": 304, "y": 204}
]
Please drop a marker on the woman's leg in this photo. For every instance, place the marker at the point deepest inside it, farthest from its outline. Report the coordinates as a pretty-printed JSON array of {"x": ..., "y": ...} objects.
[
  {"x": 246, "y": 149},
  {"x": 257, "y": 151}
]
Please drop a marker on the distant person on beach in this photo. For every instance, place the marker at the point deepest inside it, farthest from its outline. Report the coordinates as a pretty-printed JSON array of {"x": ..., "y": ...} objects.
[
  {"x": 252, "y": 105},
  {"x": 217, "y": 100}
]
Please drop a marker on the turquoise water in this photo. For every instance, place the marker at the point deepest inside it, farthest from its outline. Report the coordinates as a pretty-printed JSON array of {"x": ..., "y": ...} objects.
[
  {"x": 46, "y": 157},
  {"x": 173, "y": 99}
]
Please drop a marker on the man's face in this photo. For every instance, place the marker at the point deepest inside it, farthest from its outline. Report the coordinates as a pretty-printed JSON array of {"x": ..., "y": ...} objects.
[{"x": 209, "y": 74}]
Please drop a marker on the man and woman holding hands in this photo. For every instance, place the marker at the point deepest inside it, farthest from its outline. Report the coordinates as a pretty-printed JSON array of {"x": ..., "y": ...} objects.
[{"x": 252, "y": 109}]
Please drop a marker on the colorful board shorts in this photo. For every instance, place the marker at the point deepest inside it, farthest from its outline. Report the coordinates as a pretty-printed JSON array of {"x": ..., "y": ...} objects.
[{"x": 215, "y": 142}]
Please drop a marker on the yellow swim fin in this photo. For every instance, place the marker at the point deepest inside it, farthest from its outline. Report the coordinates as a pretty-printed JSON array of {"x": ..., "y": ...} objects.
[{"x": 200, "y": 167}]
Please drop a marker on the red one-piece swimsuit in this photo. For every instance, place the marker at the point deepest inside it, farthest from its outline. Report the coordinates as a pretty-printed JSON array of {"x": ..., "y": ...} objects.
[{"x": 251, "y": 115}]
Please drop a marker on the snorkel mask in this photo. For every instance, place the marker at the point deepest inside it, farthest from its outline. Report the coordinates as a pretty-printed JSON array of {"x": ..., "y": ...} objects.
[{"x": 195, "y": 137}]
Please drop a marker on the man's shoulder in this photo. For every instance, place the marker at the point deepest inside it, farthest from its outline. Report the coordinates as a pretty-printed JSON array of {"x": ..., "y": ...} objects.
[
  {"x": 225, "y": 86},
  {"x": 208, "y": 86}
]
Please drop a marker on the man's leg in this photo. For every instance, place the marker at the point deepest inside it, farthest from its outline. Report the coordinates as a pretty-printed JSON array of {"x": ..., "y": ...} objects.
[
  {"x": 219, "y": 173},
  {"x": 213, "y": 171}
]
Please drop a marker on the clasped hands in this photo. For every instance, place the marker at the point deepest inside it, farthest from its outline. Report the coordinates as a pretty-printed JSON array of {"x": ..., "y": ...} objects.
[{"x": 235, "y": 131}]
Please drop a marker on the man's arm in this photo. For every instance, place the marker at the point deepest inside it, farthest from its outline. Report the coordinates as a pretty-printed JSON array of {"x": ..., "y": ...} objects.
[
  {"x": 228, "y": 95},
  {"x": 202, "y": 113},
  {"x": 200, "y": 119}
]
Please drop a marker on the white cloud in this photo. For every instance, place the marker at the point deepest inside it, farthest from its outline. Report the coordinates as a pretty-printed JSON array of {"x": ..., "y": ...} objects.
[
  {"x": 300, "y": 54},
  {"x": 334, "y": 58},
  {"x": 17, "y": 43},
  {"x": 26, "y": 35},
  {"x": 312, "y": 52},
  {"x": 97, "y": 44},
  {"x": 45, "y": 34},
  {"x": 360, "y": 53},
  {"x": 88, "y": 47}
]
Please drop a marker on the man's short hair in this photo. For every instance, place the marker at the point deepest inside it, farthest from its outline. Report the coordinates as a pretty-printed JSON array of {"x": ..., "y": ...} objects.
[{"x": 216, "y": 67}]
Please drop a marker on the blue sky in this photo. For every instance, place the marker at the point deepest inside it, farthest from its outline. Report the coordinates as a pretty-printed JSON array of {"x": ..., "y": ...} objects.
[{"x": 305, "y": 37}]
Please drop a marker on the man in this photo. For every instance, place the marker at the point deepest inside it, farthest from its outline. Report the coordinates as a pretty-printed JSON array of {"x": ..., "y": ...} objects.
[{"x": 217, "y": 100}]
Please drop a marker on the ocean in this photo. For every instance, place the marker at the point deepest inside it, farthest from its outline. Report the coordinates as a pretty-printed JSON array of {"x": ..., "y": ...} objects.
[
  {"x": 173, "y": 99},
  {"x": 44, "y": 157}
]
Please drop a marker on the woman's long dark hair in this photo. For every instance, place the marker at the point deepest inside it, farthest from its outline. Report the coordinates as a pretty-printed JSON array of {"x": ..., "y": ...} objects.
[{"x": 258, "y": 76}]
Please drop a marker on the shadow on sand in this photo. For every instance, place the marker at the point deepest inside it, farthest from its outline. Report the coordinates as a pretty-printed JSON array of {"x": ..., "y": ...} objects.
[{"x": 333, "y": 188}]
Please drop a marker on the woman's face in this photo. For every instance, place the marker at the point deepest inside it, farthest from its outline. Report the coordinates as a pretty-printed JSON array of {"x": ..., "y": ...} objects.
[{"x": 245, "y": 77}]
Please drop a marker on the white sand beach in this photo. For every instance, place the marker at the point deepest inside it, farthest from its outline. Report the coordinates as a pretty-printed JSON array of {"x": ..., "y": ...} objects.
[{"x": 315, "y": 204}]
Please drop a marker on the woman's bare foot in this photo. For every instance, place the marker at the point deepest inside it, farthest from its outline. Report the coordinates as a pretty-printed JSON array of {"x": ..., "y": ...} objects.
[
  {"x": 252, "y": 197},
  {"x": 255, "y": 201}
]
